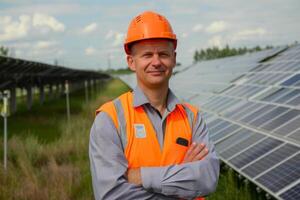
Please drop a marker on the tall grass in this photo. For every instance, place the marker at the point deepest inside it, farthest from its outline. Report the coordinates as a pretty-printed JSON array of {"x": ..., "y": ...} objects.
[{"x": 58, "y": 169}]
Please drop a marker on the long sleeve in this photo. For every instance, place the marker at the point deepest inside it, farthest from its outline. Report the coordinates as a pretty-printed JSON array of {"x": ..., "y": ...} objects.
[
  {"x": 108, "y": 164},
  {"x": 187, "y": 180}
]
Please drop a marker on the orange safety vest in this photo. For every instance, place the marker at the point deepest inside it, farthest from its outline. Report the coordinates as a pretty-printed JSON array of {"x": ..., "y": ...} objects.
[{"x": 142, "y": 147}]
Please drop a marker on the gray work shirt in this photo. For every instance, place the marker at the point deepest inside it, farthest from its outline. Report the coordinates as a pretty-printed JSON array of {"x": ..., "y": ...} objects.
[{"x": 109, "y": 165}]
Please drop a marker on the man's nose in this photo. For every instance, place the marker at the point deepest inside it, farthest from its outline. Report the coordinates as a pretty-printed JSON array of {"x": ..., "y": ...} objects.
[{"x": 156, "y": 62}]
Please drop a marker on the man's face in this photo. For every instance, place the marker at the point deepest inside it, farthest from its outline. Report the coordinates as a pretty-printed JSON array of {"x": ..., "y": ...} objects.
[{"x": 153, "y": 61}]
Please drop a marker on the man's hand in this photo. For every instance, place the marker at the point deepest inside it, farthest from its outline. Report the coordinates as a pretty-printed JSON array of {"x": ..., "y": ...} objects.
[
  {"x": 134, "y": 176},
  {"x": 195, "y": 152}
]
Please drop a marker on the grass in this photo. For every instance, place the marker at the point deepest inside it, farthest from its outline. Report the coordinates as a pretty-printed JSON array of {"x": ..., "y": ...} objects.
[
  {"x": 48, "y": 157},
  {"x": 231, "y": 187},
  {"x": 50, "y": 168}
]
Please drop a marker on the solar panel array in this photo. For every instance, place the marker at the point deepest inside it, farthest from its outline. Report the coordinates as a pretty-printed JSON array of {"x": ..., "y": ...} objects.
[
  {"x": 20, "y": 73},
  {"x": 252, "y": 107}
]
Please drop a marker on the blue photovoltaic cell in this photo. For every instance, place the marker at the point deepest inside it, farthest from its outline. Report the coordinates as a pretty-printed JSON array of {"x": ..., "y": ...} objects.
[
  {"x": 281, "y": 120},
  {"x": 294, "y": 102},
  {"x": 268, "y": 116},
  {"x": 288, "y": 96},
  {"x": 245, "y": 110},
  {"x": 220, "y": 103},
  {"x": 291, "y": 80},
  {"x": 237, "y": 108},
  {"x": 218, "y": 127},
  {"x": 256, "y": 113},
  {"x": 224, "y": 132},
  {"x": 292, "y": 193},
  {"x": 282, "y": 175},
  {"x": 239, "y": 135},
  {"x": 225, "y": 105},
  {"x": 237, "y": 147},
  {"x": 270, "y": 160},
  {"x": 289, "y": 127},
  {"x": 254, "y": 152},
  {"x": 295, "y": 135},
  {"x": 275, "y": 94},
  {"x": 214, "y": 122}
]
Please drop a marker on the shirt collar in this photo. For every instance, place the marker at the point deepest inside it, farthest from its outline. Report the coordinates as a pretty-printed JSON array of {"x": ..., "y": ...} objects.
[{"x": 139, "y": 98}]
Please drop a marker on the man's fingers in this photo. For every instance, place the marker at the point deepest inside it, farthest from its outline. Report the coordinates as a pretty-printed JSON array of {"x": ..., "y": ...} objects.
[
  {"x": 201, "y": 154},
  {"x": 197, "y": 150},
  {"x": 187, "y": 157},
  {"x": 193, "y": 152}
]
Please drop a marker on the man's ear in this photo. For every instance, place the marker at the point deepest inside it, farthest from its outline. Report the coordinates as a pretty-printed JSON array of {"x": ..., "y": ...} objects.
[{"x": 130, "y": 62}]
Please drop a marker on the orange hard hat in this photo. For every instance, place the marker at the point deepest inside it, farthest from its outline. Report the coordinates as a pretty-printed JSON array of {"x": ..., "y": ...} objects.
[{"x": 149, "y": 25}]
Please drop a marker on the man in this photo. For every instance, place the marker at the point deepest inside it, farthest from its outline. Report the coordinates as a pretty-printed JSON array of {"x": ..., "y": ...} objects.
[{"x": 146, "y": 144}]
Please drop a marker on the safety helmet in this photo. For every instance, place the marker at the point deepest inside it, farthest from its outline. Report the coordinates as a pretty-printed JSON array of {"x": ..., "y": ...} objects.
[{"x": 149, "y": 25}]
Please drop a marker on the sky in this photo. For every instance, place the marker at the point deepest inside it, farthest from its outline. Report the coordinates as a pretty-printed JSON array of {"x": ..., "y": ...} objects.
[{"x": 89, "y": 34}]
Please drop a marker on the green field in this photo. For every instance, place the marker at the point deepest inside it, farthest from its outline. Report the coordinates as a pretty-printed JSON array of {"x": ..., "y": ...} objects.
[{"x": 48, "y": 157}]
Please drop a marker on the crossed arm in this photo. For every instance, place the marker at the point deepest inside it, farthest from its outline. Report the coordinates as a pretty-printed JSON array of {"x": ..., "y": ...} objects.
[
  {"x": 197, "y": 176},
  {"x": 195, "y": 152}
]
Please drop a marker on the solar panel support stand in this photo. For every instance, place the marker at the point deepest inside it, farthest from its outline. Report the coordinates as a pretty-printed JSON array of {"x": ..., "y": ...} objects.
[
  {"x": 92, "y": 88},
  {"x": 42, "y": 94},
  {"x": 67, "y": 100},
  {"x": 86, "y": 91},
  {"x": 29, "y": 97},
  {"x": 13, "y": 100},
  {"x": 5, "y": 113}
]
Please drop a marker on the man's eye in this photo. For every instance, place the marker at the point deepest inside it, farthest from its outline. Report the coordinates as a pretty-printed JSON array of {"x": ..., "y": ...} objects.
[
  {"x": 147, "y": 55},
  {"x": 164, "y": 55}
]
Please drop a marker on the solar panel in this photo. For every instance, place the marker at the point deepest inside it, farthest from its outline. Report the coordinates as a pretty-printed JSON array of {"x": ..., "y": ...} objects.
[
  {"x": 270, "y": 160},
  {"x": 295, "y": 101},
  {"x": 258, "y": 111},
  {"x": 237, "y": 147},
  {"x": 292, "y": 194},
  {"x": 268, "y": 116},
  {"x": 295, "y": 135},
  {"x": 254, "y": 152},
  {"x": 223, "y": 133},
  {"x": 236, "y": 137},
  {"x": 282, "y": 119},
  {"x": 276, "y": 94},
  {"x": 287, "y": 97},
  {"x": 282, "y": 175},
  {"x": 292, "y": 80}
]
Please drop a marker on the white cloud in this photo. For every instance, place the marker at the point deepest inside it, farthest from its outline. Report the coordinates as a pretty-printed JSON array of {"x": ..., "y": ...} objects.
[
  {"x": 216, "y": 41},
  {"x": 249, "y": 34},
  {"x": 216, "y": 27},
  {"x": 109, "y": 35},
  {"x": 42, "y": 20},
  {"x": 197, "y": 27},
  {"x": 27, "y": 25},
  {"x": 45, "y": 44},
  {"x": 90, "y": 51},
  {"x": 184, "y": 35},
  {"x": 10, "y": 30},
  {"x": 118, "y": 39},
  {"x": 90, "y": 28}
]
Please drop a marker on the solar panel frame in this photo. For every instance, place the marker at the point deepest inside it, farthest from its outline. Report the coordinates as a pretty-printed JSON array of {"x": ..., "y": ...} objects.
[
  {"x": 238, "y": 147},
  {"x": 292, "y": 193},
  {"x": 270, "y": 159},
  {"x": 255, "y": 152},
  {"x": 282, "y": 175}
]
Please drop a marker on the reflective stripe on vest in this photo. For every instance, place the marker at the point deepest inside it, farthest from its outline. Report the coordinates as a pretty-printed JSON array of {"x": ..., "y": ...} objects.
[{"x": 138, "y": 136}]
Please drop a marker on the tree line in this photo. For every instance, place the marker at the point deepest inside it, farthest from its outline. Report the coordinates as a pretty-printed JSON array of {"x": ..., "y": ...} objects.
[
  {"x": 216, "y": 52},
  {"x": 4, "y": 51}
]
